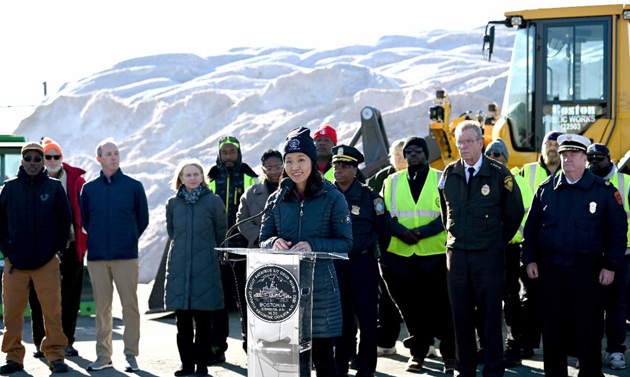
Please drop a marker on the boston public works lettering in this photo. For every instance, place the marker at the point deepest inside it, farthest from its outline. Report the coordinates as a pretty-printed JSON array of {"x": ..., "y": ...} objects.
[
  {"x": 272, "y": 293},
  {"x": 571, "y": 118}
]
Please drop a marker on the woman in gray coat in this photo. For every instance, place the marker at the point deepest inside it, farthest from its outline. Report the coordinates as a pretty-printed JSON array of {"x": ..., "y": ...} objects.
[
  {"x": 313, "y": 217},
  {"x": 196, "y": 223}
]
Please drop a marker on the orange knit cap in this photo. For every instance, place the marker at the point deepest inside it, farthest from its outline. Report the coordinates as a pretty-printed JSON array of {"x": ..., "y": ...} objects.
[{"x": 49, "y": 144}]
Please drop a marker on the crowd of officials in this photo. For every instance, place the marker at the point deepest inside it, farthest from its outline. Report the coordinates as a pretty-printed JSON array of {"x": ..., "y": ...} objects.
[{"x": 450, "y": 254}]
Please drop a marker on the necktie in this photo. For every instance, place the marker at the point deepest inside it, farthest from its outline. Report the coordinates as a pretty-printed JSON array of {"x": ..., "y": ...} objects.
[{"x": 471, "y": 172}]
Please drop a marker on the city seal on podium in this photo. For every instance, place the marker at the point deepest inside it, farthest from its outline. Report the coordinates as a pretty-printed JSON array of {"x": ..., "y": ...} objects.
[{"x": 272, "y": 293}]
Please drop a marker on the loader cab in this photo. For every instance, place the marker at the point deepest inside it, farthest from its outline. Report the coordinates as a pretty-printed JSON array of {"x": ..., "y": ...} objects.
[{"x": 564, "y": 76}]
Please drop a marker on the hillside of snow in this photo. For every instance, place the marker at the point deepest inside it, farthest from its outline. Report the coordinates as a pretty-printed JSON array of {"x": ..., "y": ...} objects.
[{"x": 164, "y": 108}]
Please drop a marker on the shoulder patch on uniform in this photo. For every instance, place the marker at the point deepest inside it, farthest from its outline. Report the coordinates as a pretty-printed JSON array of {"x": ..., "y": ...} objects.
[
  {"x": 508, "y": 182},
  {"x": 618, "y": 196},
  {"x": 379, "y": 206}
]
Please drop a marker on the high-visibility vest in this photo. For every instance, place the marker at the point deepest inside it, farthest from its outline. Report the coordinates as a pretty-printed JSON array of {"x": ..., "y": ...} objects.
[
  {"x": 622, "y": 181},
  {"x": 527, "y": 195},
  {"x": 535, "y": 174},
  {"x": 399, "y": 201},
  {"x": 247, "y": 182},
  {"x": 330, "y": 175}
]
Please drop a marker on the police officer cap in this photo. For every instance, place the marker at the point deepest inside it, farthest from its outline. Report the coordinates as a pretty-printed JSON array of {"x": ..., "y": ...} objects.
[
  {"x": 573, "y": 142},
  {"x": 598, "y": 149},
  {"x": 346, "y": 153}
]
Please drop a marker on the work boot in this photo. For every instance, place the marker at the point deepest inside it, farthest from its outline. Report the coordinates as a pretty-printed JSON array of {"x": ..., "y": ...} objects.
[
  {"x": 58, "y": 366},
  {"x": 11, "y": 367}
]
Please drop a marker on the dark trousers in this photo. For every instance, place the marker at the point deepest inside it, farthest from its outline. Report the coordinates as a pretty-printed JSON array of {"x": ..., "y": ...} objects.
[
  {"x": 71, "y": 286},
  {"x": 615, "y": 306},
  {"x": 389, "y": 320},
  {"x": 193, "y": 340},
  {"x": 323, "y": 359},
  {"x": 423, "y": 282},
  {"x": 512, "y": 310},
  {"x": 576, "y": 295},
  {"x": 476, "y": 279},
  {"x": 358, "y": 287},
  {"x": 531, "y": 311},
  {"x": 233, "y": 277}
]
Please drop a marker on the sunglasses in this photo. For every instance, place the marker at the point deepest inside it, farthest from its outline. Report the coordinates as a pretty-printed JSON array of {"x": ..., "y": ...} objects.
[
  {"x": 596, "y": 158},
  {"x": 496, "y": 154},
  {"x": 32, "y": 158},
  {"x": 410, "y": 150},
  {"x": 49, "y": 157}
]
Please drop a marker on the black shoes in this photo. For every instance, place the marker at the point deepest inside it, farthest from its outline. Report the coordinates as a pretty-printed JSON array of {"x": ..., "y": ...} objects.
[
  {"x": 185, "y": 371},
  {"x": 71, "y": 351},
  {"x": 216, "y": 358},
  {"x": 58, "y": 366},
  {"x": 38, "y": 354},
  {"x": 11, "y": 367}
]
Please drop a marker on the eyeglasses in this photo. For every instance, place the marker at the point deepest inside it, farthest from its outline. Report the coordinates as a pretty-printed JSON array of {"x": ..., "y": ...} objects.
[
  {"x": 411, "y": 150},
  {"x": 32, "y": 158},
  {"x": 468, "y": 143},
  {"x": 50, "y": 157},
  {"x": 597, "y": 158}
]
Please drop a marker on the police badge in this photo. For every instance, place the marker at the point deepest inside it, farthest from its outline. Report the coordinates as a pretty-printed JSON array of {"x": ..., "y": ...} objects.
[
  {"x": 379, "y": 206},
  {"x": 485, "y": 190},
  {"x": 356, "y": 210},
  {"x": 592, "y": 207},
  {"x": 508, "y": 182}
]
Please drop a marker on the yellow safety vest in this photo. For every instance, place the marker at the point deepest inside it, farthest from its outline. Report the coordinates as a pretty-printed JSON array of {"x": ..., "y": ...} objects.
[
  {"x": 247, "y": 182},
  {"x": 399, "y": 201},
  {"x": 622, "y": 181},
  {"x": 535, "y": 174},
  {"x": 330, "y": 175},
  {"x": 527, "y": 195}
]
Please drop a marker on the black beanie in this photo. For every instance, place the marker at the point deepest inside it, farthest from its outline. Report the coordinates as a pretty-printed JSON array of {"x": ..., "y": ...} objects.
[
  {"x": 299, "y": 140},
  {"x": 417, "y": 141}
]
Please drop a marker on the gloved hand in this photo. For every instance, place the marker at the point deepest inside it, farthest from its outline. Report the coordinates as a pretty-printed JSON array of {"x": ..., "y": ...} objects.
[{"x": 409, "y": 237}]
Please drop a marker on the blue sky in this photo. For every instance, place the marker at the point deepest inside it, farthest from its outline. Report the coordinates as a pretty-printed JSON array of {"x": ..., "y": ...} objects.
[{"x": 61, "y": 41}]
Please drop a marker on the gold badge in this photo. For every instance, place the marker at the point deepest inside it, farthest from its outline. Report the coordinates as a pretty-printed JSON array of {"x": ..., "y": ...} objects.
[
  {"x": 355, "y": 210},
  {"x": 592, "y": 207},
  {"x": 508, "y": 182},
  {"x": 485, "y": 190}
]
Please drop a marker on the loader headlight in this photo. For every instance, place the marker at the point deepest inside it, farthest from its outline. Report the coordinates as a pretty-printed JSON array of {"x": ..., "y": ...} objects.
[{"x": 516, "y": 21}]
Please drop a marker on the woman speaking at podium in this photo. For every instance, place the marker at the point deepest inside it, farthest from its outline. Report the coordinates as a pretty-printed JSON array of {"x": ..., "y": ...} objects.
[{"x": 311, "y": 216}]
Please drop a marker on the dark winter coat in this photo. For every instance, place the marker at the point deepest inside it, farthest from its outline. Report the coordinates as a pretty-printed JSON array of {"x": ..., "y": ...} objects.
[
  {"x": 252, "y": 203},
  {"x": 323, "y": 221},
  {"x": 193, "y": 277},
  {"x": 35, "y": 219},
  {"x": 114, "y": 214}
]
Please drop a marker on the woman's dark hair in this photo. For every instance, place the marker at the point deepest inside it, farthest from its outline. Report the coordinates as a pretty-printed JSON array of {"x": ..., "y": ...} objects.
[
  {"x": 270, "y": 153},
  {"x": 314, "y": 182}
]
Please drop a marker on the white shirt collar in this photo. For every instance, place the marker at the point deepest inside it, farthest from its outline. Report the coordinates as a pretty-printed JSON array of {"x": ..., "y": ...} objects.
[{"x": 476, "y": 166}]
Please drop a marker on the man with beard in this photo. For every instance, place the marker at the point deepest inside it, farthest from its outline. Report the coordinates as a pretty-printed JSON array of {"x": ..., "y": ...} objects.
[
  {"x": 71, "y": 257},
  {"x": 325, "y": 138},
  {"x": 535, "y": 173},
  {"x": 414, "y": 265},
  {"x": 35, "y": 222},
  {"x": 599, "y": 163},
  {"x": 254, "y": 199},
  {"x": 229, "y": 179}
]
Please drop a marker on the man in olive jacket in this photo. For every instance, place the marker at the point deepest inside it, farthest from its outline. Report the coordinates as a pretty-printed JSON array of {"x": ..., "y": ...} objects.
[
  {"x": 481, "y": 209},
  {"x": 34, "y": 226}
]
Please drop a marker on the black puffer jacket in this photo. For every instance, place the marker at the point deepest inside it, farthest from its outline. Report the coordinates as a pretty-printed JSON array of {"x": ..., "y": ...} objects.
[
  {"x": 324, "y": 222},
  {"x": 35, "y": 219}
]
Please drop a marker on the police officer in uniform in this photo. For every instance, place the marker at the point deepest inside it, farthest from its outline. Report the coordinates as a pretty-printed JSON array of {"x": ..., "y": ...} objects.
[
  {"x": 575, "y": 239},
  {"x": 358, "y": 277},
  {"x": 481, "y": 211},
  {"x": 600, "y": 164}
]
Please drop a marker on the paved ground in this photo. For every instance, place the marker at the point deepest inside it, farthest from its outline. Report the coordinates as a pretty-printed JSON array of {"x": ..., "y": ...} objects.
[{"x": 159, "y": 355}]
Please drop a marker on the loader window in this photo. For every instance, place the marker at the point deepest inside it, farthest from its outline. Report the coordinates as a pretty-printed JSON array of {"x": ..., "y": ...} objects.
[
  {"x": 519, "y": 91},
  {"x": 574, "y": 68}
]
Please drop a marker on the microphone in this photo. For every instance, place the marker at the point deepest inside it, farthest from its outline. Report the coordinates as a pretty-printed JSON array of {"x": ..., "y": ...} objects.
[{"x": 285, "y": 186}]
